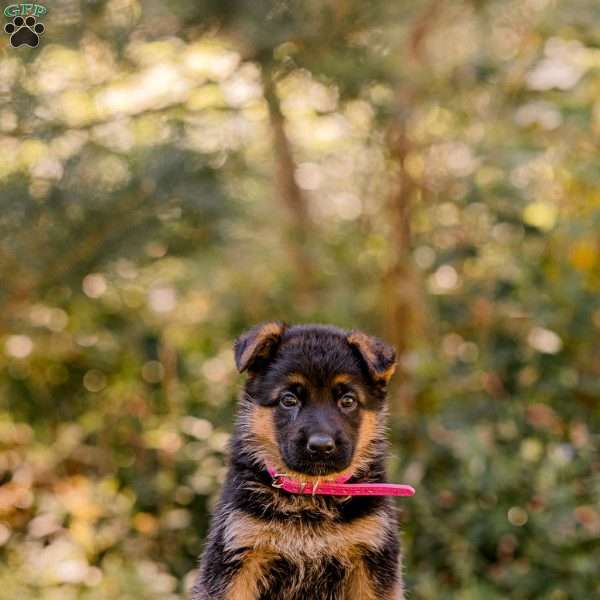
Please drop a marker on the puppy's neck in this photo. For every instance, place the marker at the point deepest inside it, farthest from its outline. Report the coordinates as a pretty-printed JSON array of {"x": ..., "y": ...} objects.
[{"x": 251, "y": 483}]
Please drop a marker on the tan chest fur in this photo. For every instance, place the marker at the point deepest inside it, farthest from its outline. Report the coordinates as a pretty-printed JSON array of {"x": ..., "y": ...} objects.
[{"x": 295, "y": 540}]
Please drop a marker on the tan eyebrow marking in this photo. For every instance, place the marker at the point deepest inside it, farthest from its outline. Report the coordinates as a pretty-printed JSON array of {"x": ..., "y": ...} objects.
[
  {"x": 297, "y": 378},
  {"x": 341, "y": 378}
]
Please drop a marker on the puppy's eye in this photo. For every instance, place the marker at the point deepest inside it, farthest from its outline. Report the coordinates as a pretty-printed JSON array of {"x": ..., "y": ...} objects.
[
  {"x": 288, "y": 400},
  {"x": 347, "y": 402}
]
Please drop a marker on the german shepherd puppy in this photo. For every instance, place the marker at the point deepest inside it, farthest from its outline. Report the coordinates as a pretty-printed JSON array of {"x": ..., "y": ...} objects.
[{"x": 313, "y": 407}]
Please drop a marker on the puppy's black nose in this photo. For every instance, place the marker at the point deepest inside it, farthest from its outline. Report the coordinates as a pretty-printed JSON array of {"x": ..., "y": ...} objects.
[{"x": 320, "y": 443}]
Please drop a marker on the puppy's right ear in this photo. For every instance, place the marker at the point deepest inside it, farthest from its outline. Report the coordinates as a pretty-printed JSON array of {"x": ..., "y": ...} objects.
[{"x": 257, "y": 345}]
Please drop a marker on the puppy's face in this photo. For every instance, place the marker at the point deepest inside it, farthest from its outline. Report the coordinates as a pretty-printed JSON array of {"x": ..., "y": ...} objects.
[{"x": 318, "y": 391}]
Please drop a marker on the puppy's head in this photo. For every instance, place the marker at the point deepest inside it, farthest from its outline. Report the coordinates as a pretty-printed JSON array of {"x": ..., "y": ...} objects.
[{"x": 314, "y": 396}]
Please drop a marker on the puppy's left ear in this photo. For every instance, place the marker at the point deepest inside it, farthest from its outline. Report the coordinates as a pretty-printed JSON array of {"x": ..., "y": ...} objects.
[
  {"x": 256, "y": 346},
  {"x": 379, "y": 357}
]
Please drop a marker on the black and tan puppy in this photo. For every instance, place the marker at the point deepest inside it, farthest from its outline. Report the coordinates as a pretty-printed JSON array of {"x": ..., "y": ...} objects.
[{"x": 314, "y": 408}]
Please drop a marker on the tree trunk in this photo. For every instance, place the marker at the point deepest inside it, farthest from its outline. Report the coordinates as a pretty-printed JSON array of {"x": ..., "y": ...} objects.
[
  {"x": 403, "y": 296},
  {"x": 403, "y": 304},
  {"x": 288, "y": 191}
]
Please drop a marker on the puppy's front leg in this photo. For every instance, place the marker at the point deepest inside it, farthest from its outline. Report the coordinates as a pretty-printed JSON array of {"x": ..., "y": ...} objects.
[
  {"x": 371, "y": 580},
  {"x": 251, "y": 578},
  {"x": 222, "y": 581}
]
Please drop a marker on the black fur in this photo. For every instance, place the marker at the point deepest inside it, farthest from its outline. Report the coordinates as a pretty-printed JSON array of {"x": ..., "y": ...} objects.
[{"x": 313, "y": 355}]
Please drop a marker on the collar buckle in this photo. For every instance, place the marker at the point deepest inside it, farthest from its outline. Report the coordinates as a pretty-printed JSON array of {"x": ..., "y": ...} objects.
[{"x": 278, "y": 480}]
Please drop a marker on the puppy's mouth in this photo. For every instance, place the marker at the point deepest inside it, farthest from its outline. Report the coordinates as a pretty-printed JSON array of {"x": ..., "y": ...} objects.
[{"x": 318, "y": 467}]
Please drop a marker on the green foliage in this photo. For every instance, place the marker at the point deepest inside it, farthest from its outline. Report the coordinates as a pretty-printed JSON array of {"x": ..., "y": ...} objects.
[{"x": 447, "y": 198}]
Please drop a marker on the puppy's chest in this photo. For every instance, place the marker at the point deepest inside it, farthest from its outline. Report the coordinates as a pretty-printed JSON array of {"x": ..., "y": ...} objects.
[
  {"x": 297, "y": 540},
  {"x": 326, "y": 579}
]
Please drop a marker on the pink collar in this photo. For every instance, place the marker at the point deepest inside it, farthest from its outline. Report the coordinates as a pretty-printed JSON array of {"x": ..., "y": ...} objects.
[{"x": 338, "y": 487}]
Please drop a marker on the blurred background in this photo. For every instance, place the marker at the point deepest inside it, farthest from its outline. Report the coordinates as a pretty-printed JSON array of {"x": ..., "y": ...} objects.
[{"x": 174, "y": 172}]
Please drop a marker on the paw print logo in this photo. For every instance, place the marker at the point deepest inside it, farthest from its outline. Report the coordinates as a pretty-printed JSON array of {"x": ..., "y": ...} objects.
[{"x": 24, "y": 31}]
